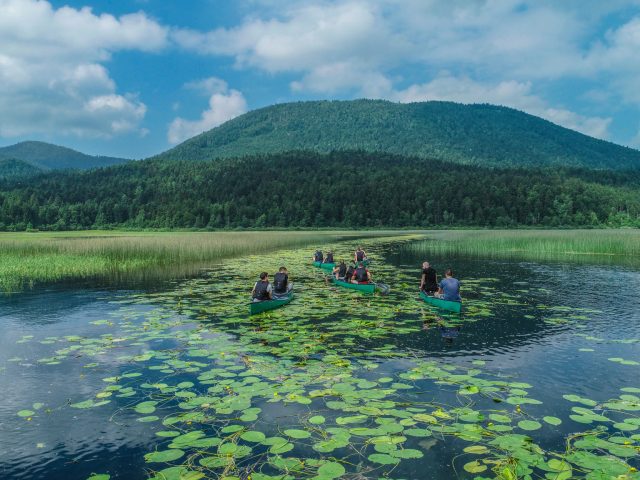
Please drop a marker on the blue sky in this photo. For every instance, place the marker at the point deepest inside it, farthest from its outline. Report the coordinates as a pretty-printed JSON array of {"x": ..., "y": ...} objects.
[{"x": 133, "y": 78}]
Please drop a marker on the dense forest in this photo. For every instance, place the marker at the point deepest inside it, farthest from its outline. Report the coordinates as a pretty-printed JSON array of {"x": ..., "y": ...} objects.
[
  {"x": 302, "y": 189},
  {"x": 484, "y": 135}
]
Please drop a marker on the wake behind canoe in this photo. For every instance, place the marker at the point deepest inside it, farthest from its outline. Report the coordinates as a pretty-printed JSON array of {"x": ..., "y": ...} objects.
[
  {"x": 455, "y": 307},
  {"x": 264, "y": 305},
  {"x": 361, "y": 287}
]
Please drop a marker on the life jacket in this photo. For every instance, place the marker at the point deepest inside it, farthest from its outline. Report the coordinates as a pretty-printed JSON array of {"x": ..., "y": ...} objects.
[
  {"x": 260, "y": 291},
  {"x": 361, "y": 274},
  {"x": 342, "y": 270},
  {"x": 349, "y": 273},
  {"x": 318, "y": 256},
  {"x": 329, "y": 258},
  {"x": 280, "y": 281},
  {"x": 359, "y": 255}
]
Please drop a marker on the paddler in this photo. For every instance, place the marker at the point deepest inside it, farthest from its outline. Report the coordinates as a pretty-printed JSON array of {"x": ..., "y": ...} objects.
[
  {"x": 429, "y": 279},
  {"x": 281, "y": 283},
  {"x": 359, "y": 256},
  {"x": 318, "y": 256},
  {"x": 340, "y": 271},
  {"x": 262, "y": 289},
  {"x": 329, "y": 257},
  {"x": 449, "y": 288},
  {"x": 361, "y": 274}
]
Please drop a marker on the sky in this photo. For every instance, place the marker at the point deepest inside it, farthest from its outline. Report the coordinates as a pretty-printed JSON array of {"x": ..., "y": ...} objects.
[{"x": 134, "y": 78}]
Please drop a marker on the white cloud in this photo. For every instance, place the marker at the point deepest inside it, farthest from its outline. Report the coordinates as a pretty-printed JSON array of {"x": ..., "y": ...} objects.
[
  {"x": 507, "y": 93},
  {"x": 497, "y": 50},
  {"x": 224, "y": 104},
  {"x": 52, "y": 73}
]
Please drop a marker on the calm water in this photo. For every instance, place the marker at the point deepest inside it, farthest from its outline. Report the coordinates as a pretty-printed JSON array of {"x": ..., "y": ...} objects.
[{"x": 553, "y": 326}]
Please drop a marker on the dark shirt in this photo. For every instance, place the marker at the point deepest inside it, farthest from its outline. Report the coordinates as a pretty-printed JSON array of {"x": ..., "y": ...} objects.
[
  {"x": 280, "y": 281},
  {"x": 430, "y": 281},
  {"x": 262, "y": 290}
]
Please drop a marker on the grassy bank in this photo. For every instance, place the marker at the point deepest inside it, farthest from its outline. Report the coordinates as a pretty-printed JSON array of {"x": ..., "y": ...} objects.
[
  {"x": 28, "y": 258},
  {"x": 596, "y": 245}
]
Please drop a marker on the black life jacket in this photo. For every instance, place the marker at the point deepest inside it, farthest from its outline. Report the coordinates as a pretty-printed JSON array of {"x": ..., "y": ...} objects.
[
  {"x": 360, "y": 255},
  {"x": 361, "y": 274},
  {"x": 342, "y": 270},
  {"x": 280, "y": 281},
  {"x": 349, "y": 272},
  {"x": 318, "y": 256},
  {"x": 329, "y": 258},
  {"x": 260, "y": 291}
]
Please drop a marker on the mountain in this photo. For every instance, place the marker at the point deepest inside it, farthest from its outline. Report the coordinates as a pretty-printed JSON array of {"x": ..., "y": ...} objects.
[
  {"x": 484, "y": 135},
  {"x": 46, "y": 156},
  {"x": 305, "y": 189}
]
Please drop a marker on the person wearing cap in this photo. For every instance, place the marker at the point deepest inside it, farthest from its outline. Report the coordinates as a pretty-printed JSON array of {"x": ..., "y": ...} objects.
[{"x": 361, "y": 274}]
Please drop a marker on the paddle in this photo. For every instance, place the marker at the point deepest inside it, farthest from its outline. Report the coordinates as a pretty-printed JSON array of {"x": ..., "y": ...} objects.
[{"x": 383, "y": 287}]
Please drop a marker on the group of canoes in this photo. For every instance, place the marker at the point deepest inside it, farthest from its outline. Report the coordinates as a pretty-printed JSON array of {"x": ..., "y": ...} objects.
[{"x": 266, "y": 296}]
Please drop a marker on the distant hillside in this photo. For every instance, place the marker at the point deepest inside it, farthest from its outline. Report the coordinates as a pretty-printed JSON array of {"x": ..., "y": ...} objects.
[
  {"x": 482, "y": 135},
  {"x": 11, "y": 169},
  {"x": 46, "y": 156},
  {"x": 303, "y": 189}
]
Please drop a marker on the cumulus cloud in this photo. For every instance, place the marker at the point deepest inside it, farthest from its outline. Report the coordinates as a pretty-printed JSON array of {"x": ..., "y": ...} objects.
[
  {"x": 52, "y": 73},
  {"x": 224, "y": 104},
  {"x": 496, "y": 51}
]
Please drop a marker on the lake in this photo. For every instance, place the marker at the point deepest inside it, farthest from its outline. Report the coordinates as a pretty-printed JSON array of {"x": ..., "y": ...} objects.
[{"x": 539, "y": 377}]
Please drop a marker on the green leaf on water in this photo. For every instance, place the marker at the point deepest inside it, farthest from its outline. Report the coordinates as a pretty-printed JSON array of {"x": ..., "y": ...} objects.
[
  {"x": 298, "y": 434},
  {"x": 552, "y": 420},
  {"x": 253, "y": 436},
  {"x": 383, "y": 459},
  {"x": 474, "y": 467},
  {"x": 163, "y": 456},
  {"x": 99, "y": 476},
  {"x": 529, "y": 425},
  {"x": 26, "y": 413},
  {"x": 476, "y": 449},
  {"x": 331, "y": 470}
]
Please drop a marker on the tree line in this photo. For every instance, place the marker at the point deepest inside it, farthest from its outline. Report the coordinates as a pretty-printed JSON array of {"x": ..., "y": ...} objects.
[{"x": 302, "y": 189}]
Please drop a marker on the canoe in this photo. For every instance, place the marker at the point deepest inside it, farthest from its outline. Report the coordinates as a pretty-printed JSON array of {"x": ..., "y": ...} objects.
[
  {"x": 443, "y": 304},
  {"x": 324, "y": 266},
  {"x": 264, "y": 305},
  {"x": 361, "y": 287}
]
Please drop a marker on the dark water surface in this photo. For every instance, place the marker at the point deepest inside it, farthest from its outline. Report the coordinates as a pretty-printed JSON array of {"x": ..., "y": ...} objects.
[{"x": 557, "y": 329}]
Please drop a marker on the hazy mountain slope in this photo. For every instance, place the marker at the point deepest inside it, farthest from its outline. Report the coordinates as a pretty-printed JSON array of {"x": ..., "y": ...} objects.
[
  {"x": 53, "y": 157},
  {"x": 484, "y": 135}
]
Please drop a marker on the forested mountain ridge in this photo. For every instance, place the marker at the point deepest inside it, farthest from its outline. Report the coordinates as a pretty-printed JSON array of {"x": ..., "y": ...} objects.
[
  {"x": 46, "y": 156},
  {"x": 303, "y": 189},
  {"x": 484, "y": 135}
]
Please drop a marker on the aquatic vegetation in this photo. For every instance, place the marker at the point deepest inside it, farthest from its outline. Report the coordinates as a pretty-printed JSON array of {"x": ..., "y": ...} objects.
[
  {"x": 612, "y": 246},
  {"x": 325, "y": 388},
  {"x": 28, "y": 258}
]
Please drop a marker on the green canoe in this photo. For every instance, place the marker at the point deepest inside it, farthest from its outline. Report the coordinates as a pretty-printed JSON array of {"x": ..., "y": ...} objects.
[
  {"x": 362, "y": 287},
  {"x": 264, "y": 305},
  {"x": 324, "y": 266},
  {"x": 444, "y": 304}
]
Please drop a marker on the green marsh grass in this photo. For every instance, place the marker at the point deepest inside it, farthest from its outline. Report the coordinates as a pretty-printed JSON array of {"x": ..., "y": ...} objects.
[
  {"x": 611, "y": 246},
  {"x": 28, "y": 258}
]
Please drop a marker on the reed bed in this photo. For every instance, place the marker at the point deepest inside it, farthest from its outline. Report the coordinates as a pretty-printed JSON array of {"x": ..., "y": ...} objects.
[
  {"x": 29, "y": 258},
  {"x": 574, "y": 245}
]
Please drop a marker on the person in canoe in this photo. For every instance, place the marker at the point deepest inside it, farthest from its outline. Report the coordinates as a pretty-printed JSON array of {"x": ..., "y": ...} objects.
[
  {"x": 361, "y": 274},
  {"x": 318, "y": 256},
  {"x": 340, "y": 271},
  {"x": 359, "y": 256},
  {"x": 262, "y": 289},
  {"x": 281, "y": 284},
  {"x": 429, "y": 279},
  {"x": 329, "y": 257},
  {"x": 449, "y": 288}
]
